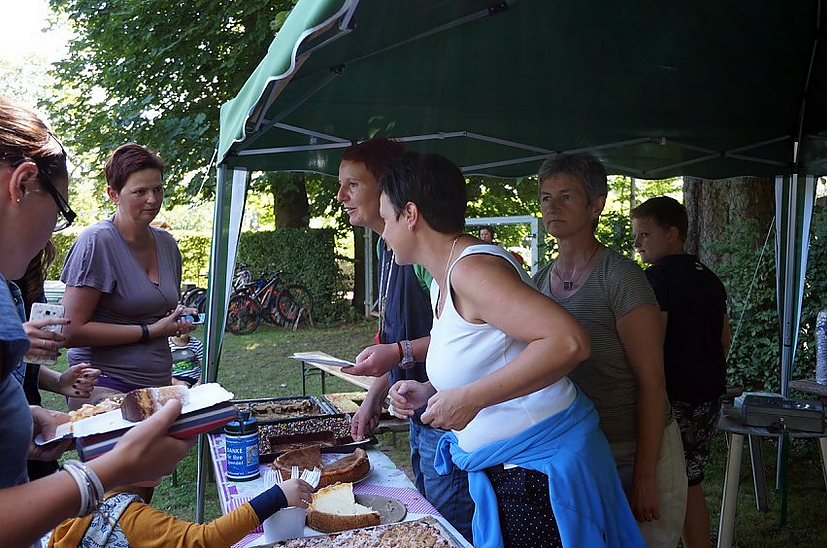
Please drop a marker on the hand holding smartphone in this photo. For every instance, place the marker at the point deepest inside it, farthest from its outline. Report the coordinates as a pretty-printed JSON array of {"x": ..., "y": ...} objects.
[
  {"x": 44, "y": 311},
  {"x": 195, "y": 319}
]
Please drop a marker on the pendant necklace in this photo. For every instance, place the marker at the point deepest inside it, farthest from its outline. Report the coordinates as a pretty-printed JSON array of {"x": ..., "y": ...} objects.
[
  {"x": 447, "y": 267},
  {"x": 570, "y": 284},
  {"x": 386, "y": 273}
]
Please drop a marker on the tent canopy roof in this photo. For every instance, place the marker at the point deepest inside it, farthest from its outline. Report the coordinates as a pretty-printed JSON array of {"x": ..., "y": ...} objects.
[{"x": 655, "y": 89}]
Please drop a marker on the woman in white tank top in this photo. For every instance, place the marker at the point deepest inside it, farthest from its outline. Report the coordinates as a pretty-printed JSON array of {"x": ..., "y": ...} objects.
[{"x": 497, "y": 362}]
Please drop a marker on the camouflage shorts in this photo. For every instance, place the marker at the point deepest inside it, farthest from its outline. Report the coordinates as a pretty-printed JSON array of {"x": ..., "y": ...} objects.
[{"x": 697, "y": 424}]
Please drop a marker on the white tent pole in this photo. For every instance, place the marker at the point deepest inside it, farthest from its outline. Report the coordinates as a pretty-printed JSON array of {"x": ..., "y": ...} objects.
[
  {"x": 797, "y": 200},
  {"x": 789, "y": 282},
  {"x": 226, "y": 231},
  {"x": 238, "y": 201}
]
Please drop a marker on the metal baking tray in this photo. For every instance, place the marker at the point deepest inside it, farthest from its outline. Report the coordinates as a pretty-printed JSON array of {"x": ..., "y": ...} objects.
[
  {"x": 323, "y": 408},
  {"x": 392, "y": 534},
  {"x": 332, "y": 432}
]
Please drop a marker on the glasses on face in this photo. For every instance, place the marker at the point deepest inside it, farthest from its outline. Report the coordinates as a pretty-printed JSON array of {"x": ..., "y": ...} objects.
[{"x": 65, "y": 215}]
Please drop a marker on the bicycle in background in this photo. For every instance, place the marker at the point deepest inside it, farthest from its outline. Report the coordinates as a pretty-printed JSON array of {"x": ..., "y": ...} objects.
[
  {"x": 267, "y": 299},
  {"x": 196, "y": 297}
]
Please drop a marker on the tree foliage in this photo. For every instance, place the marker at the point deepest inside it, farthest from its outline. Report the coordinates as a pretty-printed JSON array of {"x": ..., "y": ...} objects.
[
  {"x": 156, "y": 72},
  {"x": 489, "y": 197}
]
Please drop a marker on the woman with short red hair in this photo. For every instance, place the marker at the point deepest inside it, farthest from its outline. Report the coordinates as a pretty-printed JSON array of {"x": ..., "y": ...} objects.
[{"x": 123, "y": 280}]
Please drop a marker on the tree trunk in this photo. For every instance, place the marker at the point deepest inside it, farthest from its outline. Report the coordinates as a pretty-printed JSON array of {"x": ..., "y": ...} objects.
[
  {"x": 712, "y": 205},
  {"x": 290, "y": 205}
]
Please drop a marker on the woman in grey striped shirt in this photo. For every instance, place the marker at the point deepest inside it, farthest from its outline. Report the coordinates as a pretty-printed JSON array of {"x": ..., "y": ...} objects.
[{"x": 624, "y": 377}]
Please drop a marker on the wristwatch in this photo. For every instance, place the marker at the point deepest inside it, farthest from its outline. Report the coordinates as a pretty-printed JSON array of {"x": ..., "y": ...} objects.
[{"x": 408, "y": 360}]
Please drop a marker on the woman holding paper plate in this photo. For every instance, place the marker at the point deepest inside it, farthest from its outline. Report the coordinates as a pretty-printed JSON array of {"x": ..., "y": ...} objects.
[{"x": 34, "y": 185}]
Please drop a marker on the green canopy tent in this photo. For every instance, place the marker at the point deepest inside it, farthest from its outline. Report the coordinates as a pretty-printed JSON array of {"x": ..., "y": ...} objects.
[{"x": 691, "y": 87}]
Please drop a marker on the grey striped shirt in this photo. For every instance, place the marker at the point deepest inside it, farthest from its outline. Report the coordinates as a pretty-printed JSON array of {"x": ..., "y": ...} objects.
[{"x": 615, "y": 286}]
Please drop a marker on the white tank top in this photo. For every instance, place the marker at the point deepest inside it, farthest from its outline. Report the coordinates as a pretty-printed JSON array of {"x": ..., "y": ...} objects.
[{"x": 461, "y": 352}]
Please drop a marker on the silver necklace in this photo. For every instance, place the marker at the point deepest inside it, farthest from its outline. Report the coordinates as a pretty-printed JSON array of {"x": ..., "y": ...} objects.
[
  {"x": 447, "y": 267},
  {"x": 569, "y": 284}
]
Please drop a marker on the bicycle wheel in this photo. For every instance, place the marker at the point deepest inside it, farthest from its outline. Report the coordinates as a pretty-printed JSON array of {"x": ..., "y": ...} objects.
[
  {"x": 243, "y": 315},
  {"x": 271, "y": 312},
  {"x": 192, "y": 296},
  {"x": 291, "y": 300},
  {"x": 200, "y": 303}
]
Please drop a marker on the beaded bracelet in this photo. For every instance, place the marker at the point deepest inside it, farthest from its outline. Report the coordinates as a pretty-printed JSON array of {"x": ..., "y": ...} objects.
[
  {"x": 90, "y": 486},
  {"x": 77, "y": 475}
]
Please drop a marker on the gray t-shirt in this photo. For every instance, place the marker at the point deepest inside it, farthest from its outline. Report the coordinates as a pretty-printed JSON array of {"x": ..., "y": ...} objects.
[
  {"x": 615, "y": 286},
  {"x": 100, "y": 259}
]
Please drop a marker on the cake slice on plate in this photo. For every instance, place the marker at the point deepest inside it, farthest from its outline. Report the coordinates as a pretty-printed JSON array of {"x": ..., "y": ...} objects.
[
  {"x": 141, "y": 403},
  {"x": 334, "y": 508}
]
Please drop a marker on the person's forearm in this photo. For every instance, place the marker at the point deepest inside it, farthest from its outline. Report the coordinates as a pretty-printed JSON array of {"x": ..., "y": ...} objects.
[
  {"x": 49, "y": 379},
  {"x": 105, "y": 334},
  {"x": 651, "y": 422},
  {"x": 167, "y": 530},
  {"x": 540, "y": 364},
  {"x": 30, "y": 510},
  {"x": 378, "y": 391},
  {"x": 420, "y": 348}
]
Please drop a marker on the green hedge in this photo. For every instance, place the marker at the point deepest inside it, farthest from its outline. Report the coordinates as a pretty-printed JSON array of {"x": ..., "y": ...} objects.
[
  {"x": 195, "y": 255},
  {"x": 63, "y": 241},
  {"x": 306, "y": 256},
  {"x": 754, "y": 358}
]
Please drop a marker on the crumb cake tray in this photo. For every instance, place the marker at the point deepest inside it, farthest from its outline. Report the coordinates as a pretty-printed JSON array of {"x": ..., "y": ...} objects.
[
  {"x": 282, "y": 409},
  {"x": 427, "y": 532},
  {"x": 349, "y": 402},
  {"x": 331, "y": 432}
]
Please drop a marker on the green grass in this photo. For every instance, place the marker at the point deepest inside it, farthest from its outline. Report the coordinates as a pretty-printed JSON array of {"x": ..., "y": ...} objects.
[{"x": 258, "y": 365}]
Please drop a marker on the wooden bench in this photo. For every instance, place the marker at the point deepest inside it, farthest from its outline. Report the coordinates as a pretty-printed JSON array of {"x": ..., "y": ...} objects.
[
  {"x": 311, "y": 367},
  {"x": 810, "y": 386}
]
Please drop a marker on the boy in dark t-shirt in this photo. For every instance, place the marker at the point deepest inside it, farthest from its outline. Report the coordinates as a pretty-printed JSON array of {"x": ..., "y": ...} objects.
[{"x": 693, "y": 305}]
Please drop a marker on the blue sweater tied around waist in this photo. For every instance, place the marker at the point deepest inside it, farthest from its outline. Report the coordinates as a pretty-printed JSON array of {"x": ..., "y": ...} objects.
[{"x": 586, "y": 495}]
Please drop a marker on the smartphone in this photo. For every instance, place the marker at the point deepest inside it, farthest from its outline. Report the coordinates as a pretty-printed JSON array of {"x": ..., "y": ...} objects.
[
  {"x": 195, "y": 319},
  {"x": 41, "y": 311}
]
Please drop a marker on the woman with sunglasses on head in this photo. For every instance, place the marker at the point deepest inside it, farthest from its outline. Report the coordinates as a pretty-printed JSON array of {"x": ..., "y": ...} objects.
[
  {"x": 539, "y": 469},
  {"x": 33, "y": 189},
  {"x": 123, "y": 280}
]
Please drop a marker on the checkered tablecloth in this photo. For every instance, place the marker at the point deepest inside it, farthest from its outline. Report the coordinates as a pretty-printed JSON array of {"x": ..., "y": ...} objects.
[
  {"x": 384, "y": 479},
  {"x": 410, "y": 497}
]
